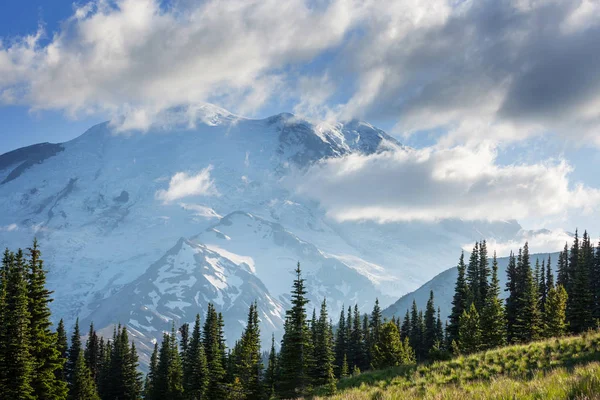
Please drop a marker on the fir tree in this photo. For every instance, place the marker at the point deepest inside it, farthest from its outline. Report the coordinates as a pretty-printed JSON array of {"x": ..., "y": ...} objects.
[
  {"x": 213, "y": 349},
  {"x": 357, "y": 348},
  {"x": 375, "y": 322},
  {"x": 120, "y": 378},
  {"x": 563, "y": 268},
  {"x": 439, "y": 329},
  {"x": 555, "y": 313},
  {"x": 344, "y": 373},
  {"x": 83, "y": 386},
  {"x": 17, "y": 364},
  {"x": 390, "y": 351},
  {"x": 405, "y": 327},
  {"x": 474, "y": 276},
  {"x": 250, "y": 365},
  {"x": 271, "y": 373},
  {"x": 296, "y": 350},
  {"x": 430, "y": 334},
  {"x": 73, "y": 353},
  {"x": 512, "y": 299},
  {"x": 195, "y": 367},
  {"x": 184, "y": 332},
  {"x": 543, "y": 290},
  {"x": 92, "y": 353},
  {"x": 493, "y": 323},
  {"x": 484, "y": 274},
  {"x": 596, "y": 284},
  {"x": 168, "y": 383},
  {"x": 340, "y": 342},
  {"x": 62, "y": 346},
  {"x": 459, "y": 302},
  {"x": 416, "y": 330},
  {"x": 366, "y": 334},
  {"x": 527, "y": 322},
  {"x": 581, "y": 300},
  {"x": 149, "y": 391},
  {"x": 325, "y": 357},
  {"x": 549, "y": 275},
  {"x": 46, "y": 356},
  {"x": 470, "y": 331}
]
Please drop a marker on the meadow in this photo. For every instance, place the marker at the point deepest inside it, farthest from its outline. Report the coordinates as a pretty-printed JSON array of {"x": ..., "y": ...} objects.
[{"x": 566, "y": 368}]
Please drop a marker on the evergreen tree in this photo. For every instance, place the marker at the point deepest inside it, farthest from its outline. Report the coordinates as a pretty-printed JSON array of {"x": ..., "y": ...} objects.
[
  {"x": 296, "y": 350},
  {"x": 405, "y": 328},
  {"x": 357, "y": 348},
  {"x": 271, "y": 373},
  {"x": 92, "y": 353},
  {"x": 549, "y": 275},
  {"x": 572, "y": 284},
  {"x": 474, "y": 276},
  {"x": 17, "y": 364},
  {"x": 344, "y": 372},
  {"x": 120, "y": 378},
  {"x": 184, "y": 332},
  {"x": 250, "y": 365},
  {"x": 211, "y": 336},
  {"x": 340, "y": 342},
  {"x": 470, "y": 331},
  {"x": 430, "y": 334},
  {"x": 325, "y": 357},
  {"x": 46, "y": 356},
  {"x": 459, "y": 301},
  {"x": 149, "y": 391},
  {"x": 73, "y": 353},
  {"x": 555, "y": 313},
  {"x": 484, "y": 275},
  {"x": 349, "y": 348},
  {"x": 512, "y": 299},
  {"x": 390, "y": 351},
  {"x": 195, "y": 367},
  {"x": 83, "y": 386},
  {"x": 439, "y": 329},
  {"x": 62, "y": 346},
  {"x": 416, "y": 331},
  {"x": 528, "y": 319},
  {"x": 366, "y": 334},
  {"x": 581, "y": 300},
  {"x": 493, "y": 322},
  {"x": 375, "y": 322},
  {"x": 169, "y": 375},
  {"x": 563, "y": 268},
  {"x": 596, "y": 280},
  {"x": 542, "y": 287}
]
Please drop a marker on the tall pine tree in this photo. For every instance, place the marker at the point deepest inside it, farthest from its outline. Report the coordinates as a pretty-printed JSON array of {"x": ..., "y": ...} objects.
[{"x": 296, "y": 350}]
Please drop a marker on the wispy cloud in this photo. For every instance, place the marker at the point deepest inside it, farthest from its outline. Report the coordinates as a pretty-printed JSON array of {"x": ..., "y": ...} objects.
[
  {"x": 434, "y": 184},
  {"x": 183, "y": 185}
]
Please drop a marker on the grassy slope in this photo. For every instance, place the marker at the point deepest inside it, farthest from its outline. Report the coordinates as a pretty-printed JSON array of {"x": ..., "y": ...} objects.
[{"x": 568, "y": 368}]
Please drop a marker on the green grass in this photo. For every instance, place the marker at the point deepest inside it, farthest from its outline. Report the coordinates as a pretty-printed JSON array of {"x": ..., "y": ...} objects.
[{"x": 567, "y": 368}]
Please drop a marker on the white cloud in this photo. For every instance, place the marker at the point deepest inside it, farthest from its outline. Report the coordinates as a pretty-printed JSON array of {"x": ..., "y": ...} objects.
[
  {"x": 542, "y": 241},
  {"x": 501, "y": 71},
  {"x": 9, "y": 228},
  {"x": 434, "y": 184},
  {"x": 134, "y": 57},
  {"x": 183, "y": 185}
]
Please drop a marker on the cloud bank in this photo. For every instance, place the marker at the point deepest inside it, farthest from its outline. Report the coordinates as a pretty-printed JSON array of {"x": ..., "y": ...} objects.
[
  {"x": 479, "y": 70},
  {"x": 433, "y": 184}
]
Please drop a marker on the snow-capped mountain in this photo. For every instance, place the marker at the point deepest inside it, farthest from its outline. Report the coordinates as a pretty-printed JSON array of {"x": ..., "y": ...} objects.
[{"x": 124, "y": 241}]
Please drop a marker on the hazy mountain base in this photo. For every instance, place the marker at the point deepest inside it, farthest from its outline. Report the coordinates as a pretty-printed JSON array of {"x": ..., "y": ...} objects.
[{"x": 565, "y": 368}]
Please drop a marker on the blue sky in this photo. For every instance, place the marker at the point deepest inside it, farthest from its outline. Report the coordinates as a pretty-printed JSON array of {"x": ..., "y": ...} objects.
[{"x": 511, "y": 84}]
